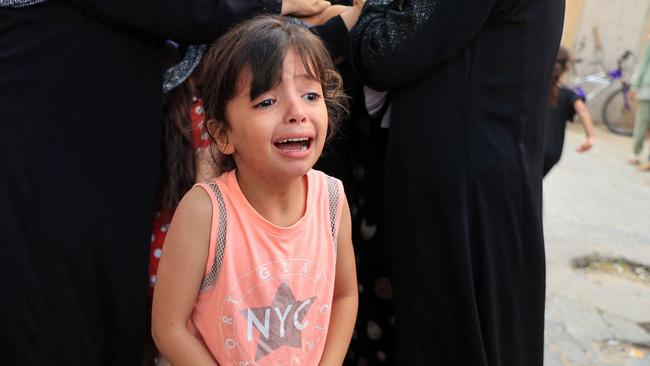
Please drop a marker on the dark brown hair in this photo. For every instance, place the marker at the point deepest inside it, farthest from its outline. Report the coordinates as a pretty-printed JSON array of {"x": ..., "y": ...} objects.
[
  {"x": 178, "y": 155},
  {"x": 561, "y": 66},
  {"x": 259, "y": 47}
]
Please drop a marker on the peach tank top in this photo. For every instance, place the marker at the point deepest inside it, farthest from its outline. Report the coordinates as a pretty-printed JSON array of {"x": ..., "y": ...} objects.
[{"x": 267, "y": 291}]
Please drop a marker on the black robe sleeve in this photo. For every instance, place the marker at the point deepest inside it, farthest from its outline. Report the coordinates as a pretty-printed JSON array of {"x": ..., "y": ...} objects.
[
  {"x": 195, "y": 21},
  {"x": 333, "y": 34},
  {"x": 392, "y": 45}
]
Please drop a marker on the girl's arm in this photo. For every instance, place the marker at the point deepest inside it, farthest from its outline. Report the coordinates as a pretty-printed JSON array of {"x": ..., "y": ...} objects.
[
  {"x": 344, "y": 304},
  {"x": 179, "y": 277},
  {"x": 587, "y": 124}
]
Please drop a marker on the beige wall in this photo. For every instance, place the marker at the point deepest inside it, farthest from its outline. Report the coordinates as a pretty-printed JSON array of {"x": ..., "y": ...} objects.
[
  {"x": 571, "y": 20},
  {"x": 646, "y": 30},
  {"x": 620, "y": 24}
]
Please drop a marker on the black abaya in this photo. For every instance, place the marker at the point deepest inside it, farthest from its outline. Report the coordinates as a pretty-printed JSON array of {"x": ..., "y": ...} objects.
[
  {"x": 80, "y": 112},
  {"x": 469, "y": 87}
]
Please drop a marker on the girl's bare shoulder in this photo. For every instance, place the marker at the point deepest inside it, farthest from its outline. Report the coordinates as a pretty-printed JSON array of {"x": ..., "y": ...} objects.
[{"x": 196, "y": 202}]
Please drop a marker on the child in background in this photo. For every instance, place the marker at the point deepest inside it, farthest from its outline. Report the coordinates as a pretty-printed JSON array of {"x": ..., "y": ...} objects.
[
  {"x": 258, "y": 265},
  {"x": 564, "y": 103},
  {"x": 184, "y": 150}
]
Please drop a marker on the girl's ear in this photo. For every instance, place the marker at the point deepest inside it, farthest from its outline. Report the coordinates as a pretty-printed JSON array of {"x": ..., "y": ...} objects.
[{"x": 220, "y": 136}]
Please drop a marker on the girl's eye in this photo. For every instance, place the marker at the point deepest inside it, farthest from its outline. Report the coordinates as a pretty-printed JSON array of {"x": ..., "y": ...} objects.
[
  {"x": 265, "y": 103},
  {"x": 312, "y": 96}
]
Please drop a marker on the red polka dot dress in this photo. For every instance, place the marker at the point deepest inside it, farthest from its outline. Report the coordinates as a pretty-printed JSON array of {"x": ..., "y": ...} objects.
[{"x": 162, "y": 218}]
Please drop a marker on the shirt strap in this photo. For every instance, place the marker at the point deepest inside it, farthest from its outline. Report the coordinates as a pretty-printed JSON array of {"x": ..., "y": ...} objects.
[
  {"x": 334, "y": 198},
  {"x": 212, "y": 188}
]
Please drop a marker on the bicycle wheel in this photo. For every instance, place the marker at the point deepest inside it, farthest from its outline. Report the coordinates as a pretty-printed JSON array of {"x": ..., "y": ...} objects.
[{"x": 618, "y": 114}]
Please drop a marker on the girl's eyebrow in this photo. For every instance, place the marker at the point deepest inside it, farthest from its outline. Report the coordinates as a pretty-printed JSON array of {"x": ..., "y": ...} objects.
[{"x": 306, "y": 76}]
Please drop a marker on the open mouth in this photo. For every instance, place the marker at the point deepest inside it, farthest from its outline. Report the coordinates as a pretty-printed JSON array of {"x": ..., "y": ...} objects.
[{"x": 294, "y": 144}]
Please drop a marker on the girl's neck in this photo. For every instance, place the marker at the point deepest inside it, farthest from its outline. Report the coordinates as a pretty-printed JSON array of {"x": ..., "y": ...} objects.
[{"x": 282, "y": 203}]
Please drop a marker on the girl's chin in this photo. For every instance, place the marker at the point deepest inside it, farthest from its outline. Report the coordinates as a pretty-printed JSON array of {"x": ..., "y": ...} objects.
[{"x": 296, "y": 170}]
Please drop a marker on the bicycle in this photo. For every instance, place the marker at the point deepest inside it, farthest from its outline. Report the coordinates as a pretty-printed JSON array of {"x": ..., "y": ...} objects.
[{"x": 617, "y": 111}]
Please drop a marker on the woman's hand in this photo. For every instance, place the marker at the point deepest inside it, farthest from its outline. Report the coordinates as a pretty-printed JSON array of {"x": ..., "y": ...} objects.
[
  {"x": 304, "y": 8},
  {"x": 351, "y": 15},
  {"x": 325, "y": 15}
]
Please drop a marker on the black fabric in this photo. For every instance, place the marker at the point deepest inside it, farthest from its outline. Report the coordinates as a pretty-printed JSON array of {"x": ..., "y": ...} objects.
[
  {"x": 558, "y": 114},
  {"x": 469, "y": 87},
  {"x": 333, "y": 34},
  {"x": 80, "y": 110},
  {"x": 356, "y": 156}
]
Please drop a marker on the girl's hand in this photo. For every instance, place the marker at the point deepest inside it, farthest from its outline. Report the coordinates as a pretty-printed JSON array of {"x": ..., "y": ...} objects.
[
  {"x": 589, "y": 142},
  {"x": 325, "y": 15},
  {"x": 351, "y": 15},
  {"x": 303, "y": 8}
]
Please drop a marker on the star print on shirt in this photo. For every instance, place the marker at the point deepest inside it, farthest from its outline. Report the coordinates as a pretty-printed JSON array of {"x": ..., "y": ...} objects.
[{"x": 280, "y": 324}]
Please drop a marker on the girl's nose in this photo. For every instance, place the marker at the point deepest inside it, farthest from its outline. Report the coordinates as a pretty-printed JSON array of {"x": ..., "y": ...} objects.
[{"x": 295, "y": 110}]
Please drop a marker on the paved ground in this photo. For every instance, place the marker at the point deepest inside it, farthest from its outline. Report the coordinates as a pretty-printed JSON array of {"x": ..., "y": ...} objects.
[{"x": 594, "y": 203}]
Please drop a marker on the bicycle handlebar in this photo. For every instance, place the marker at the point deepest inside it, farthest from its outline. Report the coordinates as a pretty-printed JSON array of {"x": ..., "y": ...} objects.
[{"x": 623, "y": 58}]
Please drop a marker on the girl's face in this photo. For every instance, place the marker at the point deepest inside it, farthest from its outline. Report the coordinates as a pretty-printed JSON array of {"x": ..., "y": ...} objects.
[{"x": 281, "y": 133}]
